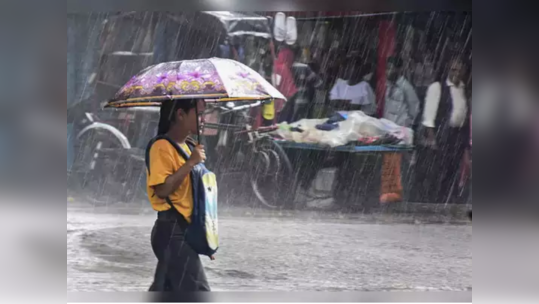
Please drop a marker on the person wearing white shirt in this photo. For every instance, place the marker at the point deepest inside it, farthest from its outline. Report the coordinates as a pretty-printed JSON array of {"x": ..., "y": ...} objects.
[
  {"x": 356, "y": 93},
  {"x": 447, "y": 129},
  {"x": 401, "y": 101},
  {"x": 401, "y": 107}
]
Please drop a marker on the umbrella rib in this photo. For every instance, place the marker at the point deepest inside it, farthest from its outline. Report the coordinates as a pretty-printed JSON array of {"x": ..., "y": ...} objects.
[{"x": 222, "y": 86}]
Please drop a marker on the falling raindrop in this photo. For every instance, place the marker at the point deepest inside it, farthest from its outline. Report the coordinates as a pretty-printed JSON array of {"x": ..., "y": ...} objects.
[{"x": 299, "y": 205}]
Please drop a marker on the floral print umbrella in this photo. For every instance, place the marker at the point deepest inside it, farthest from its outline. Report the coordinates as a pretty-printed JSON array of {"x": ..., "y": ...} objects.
[{"x": 213, "y": 78}]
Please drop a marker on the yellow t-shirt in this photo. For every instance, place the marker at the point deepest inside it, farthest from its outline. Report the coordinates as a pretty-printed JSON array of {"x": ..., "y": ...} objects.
[{"x": 165, "y": 161}]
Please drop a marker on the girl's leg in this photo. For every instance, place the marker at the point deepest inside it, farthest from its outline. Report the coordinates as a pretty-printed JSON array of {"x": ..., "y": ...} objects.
[
  {"x": 158, "y": 284},
  {"x": 179, "y": 267}
]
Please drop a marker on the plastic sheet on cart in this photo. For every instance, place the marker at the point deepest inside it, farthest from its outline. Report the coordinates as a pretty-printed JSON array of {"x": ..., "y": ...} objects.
[{"x": 357, "y": 125}]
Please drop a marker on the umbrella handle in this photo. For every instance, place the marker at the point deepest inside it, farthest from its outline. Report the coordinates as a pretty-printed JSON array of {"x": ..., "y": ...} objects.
[{"x": 198, "y": 123}]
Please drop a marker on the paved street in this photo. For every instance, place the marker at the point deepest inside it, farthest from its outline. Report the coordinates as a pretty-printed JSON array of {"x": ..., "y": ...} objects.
[{"x": 110, "y": 251}]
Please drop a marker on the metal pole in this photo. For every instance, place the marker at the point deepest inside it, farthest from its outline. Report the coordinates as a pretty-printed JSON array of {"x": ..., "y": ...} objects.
[{"x": 198, "y": 123}]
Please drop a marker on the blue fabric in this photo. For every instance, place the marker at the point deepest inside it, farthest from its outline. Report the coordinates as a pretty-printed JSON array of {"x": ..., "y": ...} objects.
[
  {"x": 336, "y": 118},
  {"x": 347, "y": 148},
  {"x": 327, "y": 127},
  {"x": 70, "y": 147},
  {"x": 241, "y": 54},
  {"x": 344, "y": 115},
  {"x": 225, "y": 51}
]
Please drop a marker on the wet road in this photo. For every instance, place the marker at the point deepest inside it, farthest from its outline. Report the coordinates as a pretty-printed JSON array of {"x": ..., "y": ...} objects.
[{"x": 111, "y": 252}]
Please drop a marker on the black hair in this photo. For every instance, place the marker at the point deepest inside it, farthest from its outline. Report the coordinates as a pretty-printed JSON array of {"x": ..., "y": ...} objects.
[
  {"x": 444, "y": 67},
  {"x": 169, "y": 110},
  {"x": 360, "y": 69},
  {"x": 365, "y": 69}
]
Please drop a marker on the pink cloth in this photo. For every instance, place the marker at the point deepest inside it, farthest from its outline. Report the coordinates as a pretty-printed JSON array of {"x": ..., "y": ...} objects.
[{"x": 283, "y": 68}]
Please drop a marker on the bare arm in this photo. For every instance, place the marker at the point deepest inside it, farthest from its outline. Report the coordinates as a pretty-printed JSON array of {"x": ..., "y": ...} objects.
[
  {"x": 432, "y": 101},
  {"x": 174, "y": 181}
]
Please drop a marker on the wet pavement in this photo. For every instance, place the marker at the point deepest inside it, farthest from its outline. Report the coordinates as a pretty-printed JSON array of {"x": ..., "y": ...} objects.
[{"x": 109, "y": 250}]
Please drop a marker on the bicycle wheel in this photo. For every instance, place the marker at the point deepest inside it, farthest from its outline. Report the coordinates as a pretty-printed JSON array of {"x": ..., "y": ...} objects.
[{"x": 272, "y": 176}]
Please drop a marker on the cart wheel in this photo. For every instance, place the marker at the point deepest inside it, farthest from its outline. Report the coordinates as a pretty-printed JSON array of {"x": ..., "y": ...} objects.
[{"x": 272, "y": 177}]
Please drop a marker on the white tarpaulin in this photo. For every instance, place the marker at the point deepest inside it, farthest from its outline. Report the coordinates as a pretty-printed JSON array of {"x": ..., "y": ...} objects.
[{"x": 357, "y": 125}]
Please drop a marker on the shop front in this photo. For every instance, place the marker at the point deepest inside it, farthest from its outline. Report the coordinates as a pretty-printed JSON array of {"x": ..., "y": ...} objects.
[{"x": 424, "y": 41}]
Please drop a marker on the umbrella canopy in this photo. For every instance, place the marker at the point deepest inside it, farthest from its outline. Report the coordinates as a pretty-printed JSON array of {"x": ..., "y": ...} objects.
[{"x": 214, "y": 78}]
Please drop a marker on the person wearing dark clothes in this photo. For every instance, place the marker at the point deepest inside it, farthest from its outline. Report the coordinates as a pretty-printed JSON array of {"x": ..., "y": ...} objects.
[
  {"x": 447, "y": 131},
  {"x": 298, "y": 82},
  {"x": 283, "y": 79},
  {"x": 179, "y": 268},
  {"x": 307, "y": 81}
]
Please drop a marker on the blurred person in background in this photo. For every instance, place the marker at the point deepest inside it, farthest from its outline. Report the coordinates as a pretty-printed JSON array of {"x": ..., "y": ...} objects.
[
  {"x": 297, "y": 82},
  {"x": 401, "y": 101},
  {"x": 466, "y": 176},
  {"x": 283, "y": 80},
  {"x": 423, "y": 73},
  {"x": 447, "y": 130},
  {"x": 354, "y": 92},
  {"x": 401, "y": 107},
  {"x": 307, "y": 82}
]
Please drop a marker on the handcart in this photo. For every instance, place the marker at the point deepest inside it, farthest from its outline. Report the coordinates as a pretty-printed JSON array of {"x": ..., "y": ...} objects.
[{"x": 356, "y": 183}]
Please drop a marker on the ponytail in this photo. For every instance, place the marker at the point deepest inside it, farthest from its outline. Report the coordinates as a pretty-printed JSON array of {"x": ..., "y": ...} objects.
[{"x": 164, "y": 118}]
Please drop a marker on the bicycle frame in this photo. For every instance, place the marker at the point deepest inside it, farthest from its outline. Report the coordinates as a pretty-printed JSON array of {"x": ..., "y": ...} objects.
[{"x": 251, "y": 126}]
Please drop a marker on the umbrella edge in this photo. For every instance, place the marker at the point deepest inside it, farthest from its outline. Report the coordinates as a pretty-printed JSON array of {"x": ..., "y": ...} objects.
[{"x": 156, "y": 101}]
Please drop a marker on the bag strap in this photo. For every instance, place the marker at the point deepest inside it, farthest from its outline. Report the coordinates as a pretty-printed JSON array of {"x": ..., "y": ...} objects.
[
  {"x": 177, "y": 147},
  {"x": 182, "y": 221}
]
